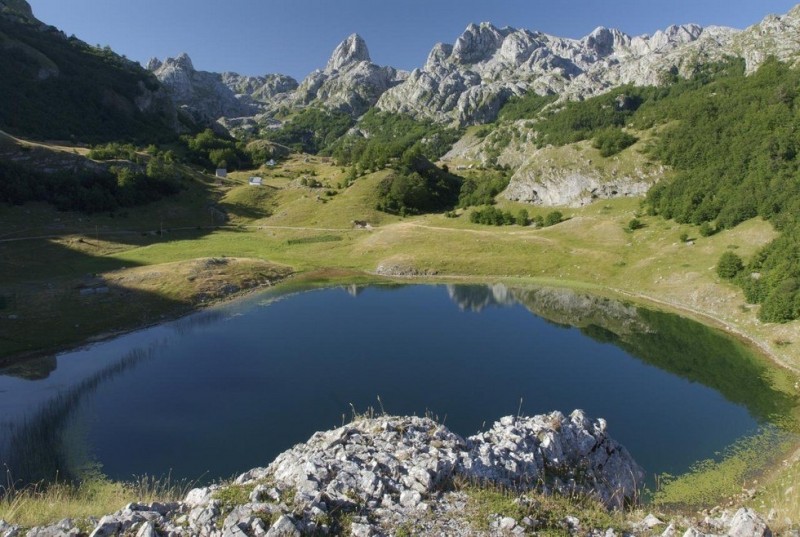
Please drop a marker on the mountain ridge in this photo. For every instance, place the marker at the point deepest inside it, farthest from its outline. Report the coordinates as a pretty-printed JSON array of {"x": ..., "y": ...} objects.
[{"x": 466, "y": 82}]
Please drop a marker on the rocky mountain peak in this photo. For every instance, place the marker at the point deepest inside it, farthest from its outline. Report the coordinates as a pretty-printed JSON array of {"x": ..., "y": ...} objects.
[
  {"x": 153, "y": 64},
  {"x": 438, "y": 55},
  {"x": 601, "y": 41},
  {"x": 182, "y": 61},
  {"x": 478, "y": 42},
  {"x": 605, "y": 41},
  {"x": 351, "y": 51}
]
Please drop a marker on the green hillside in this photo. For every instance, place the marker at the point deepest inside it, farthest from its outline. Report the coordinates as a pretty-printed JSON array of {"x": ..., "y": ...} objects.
[
  {"x": 59, "y": 88},
  {"x": 732, "y": 140}
]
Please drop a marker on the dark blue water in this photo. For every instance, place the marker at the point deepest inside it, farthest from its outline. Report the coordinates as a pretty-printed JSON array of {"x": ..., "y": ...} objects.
[{"x": 226, "y": 390}]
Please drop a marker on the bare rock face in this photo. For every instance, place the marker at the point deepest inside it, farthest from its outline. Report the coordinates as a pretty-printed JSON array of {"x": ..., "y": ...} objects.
[
  {"x": 523, "y": 452},
  {"x": 467, "y": 82},
  {"x": 202, "y": 93},
  {"x": 351, "y": 51},
  {"x": 571, "y": 189},
  {"x": 777, "y": 36},
  {"x": 490, "y": 64},
  {"x": 463, "y": 83},
  {"x": 211, "y": 96}
]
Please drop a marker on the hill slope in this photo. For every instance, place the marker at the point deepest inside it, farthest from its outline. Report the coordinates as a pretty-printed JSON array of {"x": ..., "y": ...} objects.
[{"x": 58, "y": 87}]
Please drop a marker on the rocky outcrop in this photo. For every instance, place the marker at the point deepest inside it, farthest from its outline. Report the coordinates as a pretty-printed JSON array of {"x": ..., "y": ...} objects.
[
  {"x": 377, "y": 475},
  {"x": 205, "y": 95},
  {"x": 390, "y": 475},
  {"x": 392, "y": 470},
  {"x": 777, "y": 36},
  {"x": 563, "y": 188}
]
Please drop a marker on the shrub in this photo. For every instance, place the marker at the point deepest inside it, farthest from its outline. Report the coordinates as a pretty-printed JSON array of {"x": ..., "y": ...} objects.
[
  {"x": 553, "y": 218},
  {"x": 635, "y": 224},
  {"x": 706, "y": 230},
  {"x": 729, "y": 265},
  {"x": 612, "y": 141}
]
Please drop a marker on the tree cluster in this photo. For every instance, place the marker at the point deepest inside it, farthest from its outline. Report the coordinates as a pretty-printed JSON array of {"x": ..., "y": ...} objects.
[
  {"x": 311, "y": 130},
  {"x": 382, "y": 137},
  {"x": 492, "y": 216},
  {"x": 417, "y": 186},
  {"x": 90, "y": 191}
]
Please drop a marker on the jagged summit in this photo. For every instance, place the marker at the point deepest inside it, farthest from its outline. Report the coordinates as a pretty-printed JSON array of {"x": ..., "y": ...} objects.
[
  {"x": 181, "y": 61},
  {"x": 153, "y": 64},
  {"x": 351, "y": 51},
  {"x": 468, "y": 81},
  {"x": 478, "y": 41}
]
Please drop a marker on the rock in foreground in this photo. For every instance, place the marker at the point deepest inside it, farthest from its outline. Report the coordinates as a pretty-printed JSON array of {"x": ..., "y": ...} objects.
[
  {"x": 376, "y": 476},
  {"x": 386, "y": 471}
]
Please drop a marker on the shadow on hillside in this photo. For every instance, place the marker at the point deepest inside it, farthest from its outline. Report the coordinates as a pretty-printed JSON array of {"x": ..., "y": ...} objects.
[{"x": 53, "y": 296}]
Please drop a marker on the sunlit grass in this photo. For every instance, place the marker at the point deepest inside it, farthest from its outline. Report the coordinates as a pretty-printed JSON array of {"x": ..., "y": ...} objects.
[
  {"x": 780, "y": 498},
  {"x": 713, "y": 482},
  {"x": 37, "y": 505}
]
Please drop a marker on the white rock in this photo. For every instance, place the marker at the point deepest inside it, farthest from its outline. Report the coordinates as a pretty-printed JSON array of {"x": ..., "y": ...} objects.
[
  {"x": 651, "y": 521},
  {"x": 283, "y": 527},
  {"x": 410, "y": 498},
  {"x": 507, "y": 523},
  {"x": 147, "y": 530},
  {"x": 747, "y": 523}
]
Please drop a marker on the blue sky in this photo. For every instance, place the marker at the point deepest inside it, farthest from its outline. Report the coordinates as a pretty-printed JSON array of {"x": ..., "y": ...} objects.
[{"x": 297, "y": 36}]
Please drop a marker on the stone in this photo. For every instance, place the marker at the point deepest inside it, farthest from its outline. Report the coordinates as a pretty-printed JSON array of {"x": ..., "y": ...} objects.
[
  {"x": 106, "y": 527},
  {"x": 234, "y": 531},
  {"x": 529, "y": 449},
  {"x": 283, "y": 527},
  {"x": 651, "y": 521},
  {"x": 507, "y": 523},
  {"x": 147, "y": 530},
  {"x": 361, "y": 530},
  {"x": 200, "y": 496},
  {"x": 747, "y": 523},
  {"x": 410, "y": 498},
  {"x": 691, "y": 532},
  {"x": 58, "y": 530}
]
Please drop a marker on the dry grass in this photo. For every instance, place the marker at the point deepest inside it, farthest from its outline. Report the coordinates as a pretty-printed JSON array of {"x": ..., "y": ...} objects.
[
  {"x": 38, "y": 505},
  {"x": 779, "y": 499}
]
